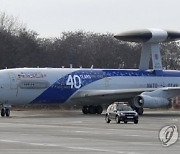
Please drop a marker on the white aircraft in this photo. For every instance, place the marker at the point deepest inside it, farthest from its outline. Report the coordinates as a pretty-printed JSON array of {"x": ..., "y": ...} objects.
[{"x": 143, "y": 88}]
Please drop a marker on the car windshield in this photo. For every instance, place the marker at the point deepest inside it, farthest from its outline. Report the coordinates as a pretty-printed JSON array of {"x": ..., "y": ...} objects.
[{"x": 123, "y": 108}]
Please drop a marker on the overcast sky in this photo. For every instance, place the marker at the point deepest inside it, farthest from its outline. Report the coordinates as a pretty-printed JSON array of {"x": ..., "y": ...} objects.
[{"x": 51, "y": 17}]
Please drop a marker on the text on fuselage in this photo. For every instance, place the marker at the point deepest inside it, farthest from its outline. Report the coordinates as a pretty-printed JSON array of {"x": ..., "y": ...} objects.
[{"x": 156, "y": 85}]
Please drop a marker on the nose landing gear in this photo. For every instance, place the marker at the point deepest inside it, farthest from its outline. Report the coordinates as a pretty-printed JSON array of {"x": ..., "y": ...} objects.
[{"x": 5, "y": 111}]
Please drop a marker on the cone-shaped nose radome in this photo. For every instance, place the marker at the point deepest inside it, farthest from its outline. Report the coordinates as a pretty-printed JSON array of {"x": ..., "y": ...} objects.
[{"x": 148, "y": 35}]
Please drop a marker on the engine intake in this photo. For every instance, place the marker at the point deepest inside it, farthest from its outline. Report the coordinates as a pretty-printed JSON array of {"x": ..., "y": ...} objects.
[
  {"x": 139, "y": 101},
  {"x": 150, "y": 101}
]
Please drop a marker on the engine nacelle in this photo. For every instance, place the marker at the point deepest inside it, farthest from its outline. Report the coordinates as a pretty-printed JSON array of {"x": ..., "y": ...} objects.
[{"x": 150, "y": 102}]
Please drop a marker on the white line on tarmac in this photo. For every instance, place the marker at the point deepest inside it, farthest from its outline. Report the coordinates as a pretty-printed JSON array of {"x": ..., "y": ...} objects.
[{"x": 68, "y": 147}]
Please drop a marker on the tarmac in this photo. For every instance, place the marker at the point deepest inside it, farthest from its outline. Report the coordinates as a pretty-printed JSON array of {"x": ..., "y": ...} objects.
[{"x": 71, "y": 132}]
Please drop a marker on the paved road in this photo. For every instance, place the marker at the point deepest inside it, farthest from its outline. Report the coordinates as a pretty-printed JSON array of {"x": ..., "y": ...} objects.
[{"x": 66, "y": 132}]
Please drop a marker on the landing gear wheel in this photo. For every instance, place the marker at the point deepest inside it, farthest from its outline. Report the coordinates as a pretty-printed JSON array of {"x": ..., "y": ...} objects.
[
  {"x": 140, "y": 111},
  {"x": 3, "y": 112},
  {"x": 7, "y": 112},
  {"x": 99, "y": 109},
  {"x": 85, "y": 109},
  {"x": 92, "y": 109}
]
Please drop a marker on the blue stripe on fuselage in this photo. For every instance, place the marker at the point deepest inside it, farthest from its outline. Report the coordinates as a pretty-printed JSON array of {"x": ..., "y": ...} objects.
[{"x": 60, "y": 92}]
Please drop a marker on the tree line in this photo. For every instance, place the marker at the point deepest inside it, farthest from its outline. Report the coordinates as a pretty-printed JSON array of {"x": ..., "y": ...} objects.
[{"x": 21, "y": 47}]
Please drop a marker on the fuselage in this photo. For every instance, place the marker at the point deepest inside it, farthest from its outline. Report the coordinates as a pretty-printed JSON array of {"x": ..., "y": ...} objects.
[{"x": 59, "y": 85}]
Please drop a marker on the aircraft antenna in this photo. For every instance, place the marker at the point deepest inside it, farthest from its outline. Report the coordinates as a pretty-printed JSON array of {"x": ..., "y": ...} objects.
[{"x": 150, "y": 39}]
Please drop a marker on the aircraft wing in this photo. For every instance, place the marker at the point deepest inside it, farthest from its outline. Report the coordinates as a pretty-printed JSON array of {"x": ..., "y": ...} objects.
[
  {"x": 170, "y": 92},
  {"x": 108, "y": 95}
]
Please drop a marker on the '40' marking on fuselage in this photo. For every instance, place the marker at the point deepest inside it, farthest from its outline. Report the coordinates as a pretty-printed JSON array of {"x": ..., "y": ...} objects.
[{"x": 74, "y": 81}]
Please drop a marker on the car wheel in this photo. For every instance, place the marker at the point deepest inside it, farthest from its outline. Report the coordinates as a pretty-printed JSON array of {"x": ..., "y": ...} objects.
[
  {"x": 125, "y": 122},
  {"x": 136, "y": 121},
  {"x": 117, "y": 119},
  {"x": 107, "y": 119}
]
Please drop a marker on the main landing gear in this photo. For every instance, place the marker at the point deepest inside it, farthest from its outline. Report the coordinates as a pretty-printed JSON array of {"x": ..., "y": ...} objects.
[
  {"x": 139, "y": 111},
  {"x": 5, "y": 111},
  {"x": 92, "y": 109}
]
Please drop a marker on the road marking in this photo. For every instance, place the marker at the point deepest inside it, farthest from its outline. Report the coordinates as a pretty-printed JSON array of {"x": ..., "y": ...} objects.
[{"x": 68, "y": 147}]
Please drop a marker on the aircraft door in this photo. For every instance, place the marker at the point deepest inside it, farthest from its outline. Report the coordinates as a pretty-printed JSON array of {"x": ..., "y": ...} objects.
[
  {"x": 107, "y": 82},
  {"x": 13, "y": 81}
]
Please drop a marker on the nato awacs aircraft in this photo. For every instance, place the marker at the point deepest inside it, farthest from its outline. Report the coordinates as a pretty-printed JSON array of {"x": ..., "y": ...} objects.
[{"x": 142, "y": 88}]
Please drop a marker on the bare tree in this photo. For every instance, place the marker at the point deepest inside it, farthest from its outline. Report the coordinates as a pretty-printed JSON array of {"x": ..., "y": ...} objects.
[
  {"x": 10, "y": 23},
  {"x": 21, "y": 47}
]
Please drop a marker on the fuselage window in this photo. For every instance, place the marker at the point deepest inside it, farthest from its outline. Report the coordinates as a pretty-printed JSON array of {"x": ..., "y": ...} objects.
[{"x": 28, "y": 84}]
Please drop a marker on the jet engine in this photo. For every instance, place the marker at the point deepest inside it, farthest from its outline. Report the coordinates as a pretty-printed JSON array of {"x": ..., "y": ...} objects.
[{"x": 147, "y": 101}]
